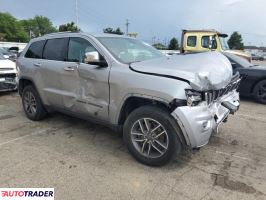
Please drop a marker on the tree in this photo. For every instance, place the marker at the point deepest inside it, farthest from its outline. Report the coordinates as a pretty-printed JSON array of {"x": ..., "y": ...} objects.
[
  {"x": 173, "y": 45},
  {"x": 69, "y": 27},
  {"x": 235, "y": 41},
  {"x": 38, "y": 26},
  {"x": 11, "y": 30},
  {"x": 112, "y": 31}
]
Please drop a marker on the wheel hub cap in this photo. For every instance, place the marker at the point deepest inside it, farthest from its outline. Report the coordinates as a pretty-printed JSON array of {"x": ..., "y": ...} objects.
[
  {"x": 149, "y": 137},
  {"x": 30, "y": 103}
]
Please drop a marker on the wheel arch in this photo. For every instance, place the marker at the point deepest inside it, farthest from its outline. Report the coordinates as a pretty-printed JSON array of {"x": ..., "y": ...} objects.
[
  {"x": 133, "y": 102},
  {"x": 255, "y": 83},
  {"x": 23, "y": 82}
]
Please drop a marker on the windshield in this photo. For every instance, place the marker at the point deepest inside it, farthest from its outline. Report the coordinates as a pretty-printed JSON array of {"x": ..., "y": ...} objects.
[
  {"x": 3, "y": 51},
  {"x": 224, "y": 43},
  {"x": 128, "y": 50},
  {"x": 241, "y": 61},
  {"x": 2, "y": 57}
]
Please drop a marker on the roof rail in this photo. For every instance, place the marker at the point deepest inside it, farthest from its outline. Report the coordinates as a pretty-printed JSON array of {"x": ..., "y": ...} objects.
[{"x": 58, "y": 33}]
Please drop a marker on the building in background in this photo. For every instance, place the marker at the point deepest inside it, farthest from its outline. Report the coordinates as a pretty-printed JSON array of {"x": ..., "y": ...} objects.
[{"x": 134, "y": 35}]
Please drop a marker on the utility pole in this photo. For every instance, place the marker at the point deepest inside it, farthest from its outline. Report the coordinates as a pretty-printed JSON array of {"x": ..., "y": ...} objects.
[
  {"x": 127, "y": 24},
  {"x": 77, "y": 16}
]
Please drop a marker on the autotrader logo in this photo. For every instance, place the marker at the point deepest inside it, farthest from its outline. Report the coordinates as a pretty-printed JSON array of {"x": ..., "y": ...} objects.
[{"x": 27, "y": 193}]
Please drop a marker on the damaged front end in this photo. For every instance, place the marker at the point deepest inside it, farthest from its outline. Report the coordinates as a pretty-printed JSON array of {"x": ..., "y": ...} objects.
[
  {"x": 8, "y": 81},
  {"x": 205, "y": 111}
]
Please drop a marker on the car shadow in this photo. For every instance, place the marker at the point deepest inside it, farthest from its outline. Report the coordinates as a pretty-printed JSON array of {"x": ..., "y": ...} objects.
[
  {"x": 5, "y": 93},
  {"x": 94, "y": 132},
  {"x": 248, "y": 99}
]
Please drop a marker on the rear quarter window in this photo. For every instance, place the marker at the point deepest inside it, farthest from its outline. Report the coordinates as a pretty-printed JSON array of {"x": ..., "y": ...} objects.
[
  {"x": 56, "y": 49},
  {"x": 35, "y": 50}
]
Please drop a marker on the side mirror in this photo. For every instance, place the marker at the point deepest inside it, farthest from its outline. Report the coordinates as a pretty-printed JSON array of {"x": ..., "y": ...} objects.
[{"x": 93, "y": 58}]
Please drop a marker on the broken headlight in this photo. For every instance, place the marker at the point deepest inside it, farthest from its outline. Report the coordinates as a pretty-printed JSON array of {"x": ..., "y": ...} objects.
[{"x": 193, "y": 97}]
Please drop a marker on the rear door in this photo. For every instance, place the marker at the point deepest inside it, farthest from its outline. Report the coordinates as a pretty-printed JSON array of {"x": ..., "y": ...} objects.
[
  {"x": 85, "y": 86},
  {"x": 30, "y": 64},
  {"x": 51, "y": 68}
]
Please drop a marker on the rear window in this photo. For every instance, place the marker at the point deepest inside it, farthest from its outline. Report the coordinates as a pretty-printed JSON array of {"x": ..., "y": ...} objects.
[
  {"x": 35, "y": 50},
  {"x": 55, "y": 49},
  {"x": 191, "y": 41}
]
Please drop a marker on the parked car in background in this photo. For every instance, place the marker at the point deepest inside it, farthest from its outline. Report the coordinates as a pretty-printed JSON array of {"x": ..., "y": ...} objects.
[
  {"x": 161, "y": 103},
  {"x": 8, "y": 54},
  {"x": 8, "y": 75},
  {"x": 257, "y": 57},
  {"x": 253, "y": 81},
  {"x": 208, "y": 40}
]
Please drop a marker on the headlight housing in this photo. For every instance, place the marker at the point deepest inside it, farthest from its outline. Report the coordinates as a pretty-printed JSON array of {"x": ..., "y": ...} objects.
[{"x": 193, "y": 97}]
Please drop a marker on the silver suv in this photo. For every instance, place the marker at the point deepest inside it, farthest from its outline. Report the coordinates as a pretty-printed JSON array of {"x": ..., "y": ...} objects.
[{"x": 159, "y": 103}]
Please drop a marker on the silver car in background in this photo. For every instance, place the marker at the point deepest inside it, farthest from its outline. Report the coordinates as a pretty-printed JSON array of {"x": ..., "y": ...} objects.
[{"x": 160, "y": 104}]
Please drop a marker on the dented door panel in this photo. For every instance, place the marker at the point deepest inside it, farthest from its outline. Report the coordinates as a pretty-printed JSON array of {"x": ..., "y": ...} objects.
[{"x": 87, "y": 90}]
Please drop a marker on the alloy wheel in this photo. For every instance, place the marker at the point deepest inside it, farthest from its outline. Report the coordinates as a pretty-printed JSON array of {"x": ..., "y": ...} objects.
[
  {"x": 30, "y": 104},
  {"x": 149, "y": 138},
  {"x": 262, "y": 92}
]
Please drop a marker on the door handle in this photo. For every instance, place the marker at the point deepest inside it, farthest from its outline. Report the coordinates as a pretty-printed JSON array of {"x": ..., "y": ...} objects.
[
  {"x": 69, "y": 69},
  {"x": 37, "y": 64}
]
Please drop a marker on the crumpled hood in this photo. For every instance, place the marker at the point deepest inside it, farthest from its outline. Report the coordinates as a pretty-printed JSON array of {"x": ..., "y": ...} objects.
[
  {"x": 7, "y": 64},
  {"x": 204, "y": 71}
]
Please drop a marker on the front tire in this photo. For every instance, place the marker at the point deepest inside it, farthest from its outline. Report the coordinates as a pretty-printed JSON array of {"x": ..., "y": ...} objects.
[
  {"x": 150, "y": 136},
  {"x": 32, "y": 104},
  {"x": 260, "y": 92}
]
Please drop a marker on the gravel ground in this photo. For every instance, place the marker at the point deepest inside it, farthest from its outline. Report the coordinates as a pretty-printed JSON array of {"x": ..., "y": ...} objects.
[{"x": 85, "y": 161}]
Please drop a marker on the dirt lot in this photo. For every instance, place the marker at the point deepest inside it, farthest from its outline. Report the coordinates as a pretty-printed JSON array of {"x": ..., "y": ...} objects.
[{"x": 86, "y": 161}]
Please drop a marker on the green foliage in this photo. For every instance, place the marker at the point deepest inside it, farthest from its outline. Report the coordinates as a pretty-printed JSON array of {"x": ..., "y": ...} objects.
[
  {"x": 173, "y": 45},
  {"x": 235, "y": 41},
  {"x": 112, "y": 31},
  {"x": 11, "y": 30},
  {"x": 68, "y": 27},
  {"x": 159, "y": 46},
  {"x": 38, "y": 26}
]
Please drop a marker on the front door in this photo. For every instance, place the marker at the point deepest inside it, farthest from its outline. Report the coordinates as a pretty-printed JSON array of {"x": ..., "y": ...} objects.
[{"x": 86, "y": 88}]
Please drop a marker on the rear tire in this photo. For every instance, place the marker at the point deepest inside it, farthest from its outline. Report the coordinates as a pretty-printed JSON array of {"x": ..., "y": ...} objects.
[
  {"x": 32, "y": 104},
  {"x": 150, "y": 136},
  {"x": 260, "y": 92}
]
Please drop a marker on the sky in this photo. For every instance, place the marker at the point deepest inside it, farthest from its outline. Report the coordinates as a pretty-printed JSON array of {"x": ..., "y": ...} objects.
[{"x": 153, "y": 20}]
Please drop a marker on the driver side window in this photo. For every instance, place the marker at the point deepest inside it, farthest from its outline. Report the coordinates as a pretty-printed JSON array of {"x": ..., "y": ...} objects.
[{"x": 78, "y": 48}]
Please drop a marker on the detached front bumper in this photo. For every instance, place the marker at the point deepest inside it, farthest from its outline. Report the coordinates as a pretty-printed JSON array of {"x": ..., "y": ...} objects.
[{"x": 199, "y": 122}]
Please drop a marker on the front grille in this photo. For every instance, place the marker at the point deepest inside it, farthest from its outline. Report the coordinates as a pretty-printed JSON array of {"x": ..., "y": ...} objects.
[
  {"x": 8, "y": 75},
  {"x": 211, "y": 96}
]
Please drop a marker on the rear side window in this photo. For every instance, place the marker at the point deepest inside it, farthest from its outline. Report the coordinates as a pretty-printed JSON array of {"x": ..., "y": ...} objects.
[
  {"x": 55, "y": 49},
  {"x": 35, "y": 50},
  {"x": 191, "y": 41}
]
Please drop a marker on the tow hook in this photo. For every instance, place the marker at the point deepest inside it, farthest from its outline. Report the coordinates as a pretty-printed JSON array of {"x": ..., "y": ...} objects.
[{"x": 232, "y": 108}]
